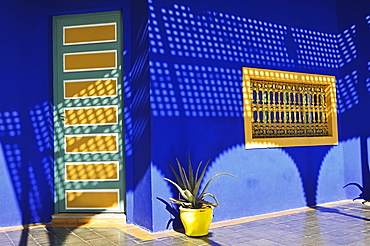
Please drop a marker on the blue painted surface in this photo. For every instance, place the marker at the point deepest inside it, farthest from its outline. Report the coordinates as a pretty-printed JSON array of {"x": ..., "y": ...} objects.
[
  {"x": 8, "y": 217},
  {"x": 354, "y": 121},
  {"x": 25, "y": 115},
  {"x": 197, "y": 51},
  {"x": 183, "y": 95}
]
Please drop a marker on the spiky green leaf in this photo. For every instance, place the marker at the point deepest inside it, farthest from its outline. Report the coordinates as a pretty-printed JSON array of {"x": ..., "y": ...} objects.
[
  {"x": 199, "y": 181},
  {"x": 182, "y": 173},
  {"x": 197, "y": 173},
  {"x": 209, "y": 194},
  {"x": 191, "y": 173},
  {"x": 179, "y": 181},
  {"x": 189, "y": 185},
  {"x": 184, "y": 193},
  {"x": 186, "y": 180},
  {"x": 208, "y": 204}
]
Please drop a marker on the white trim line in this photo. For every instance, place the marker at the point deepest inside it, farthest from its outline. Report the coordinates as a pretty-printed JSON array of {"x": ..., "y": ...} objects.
[
  {"x": 91, "y": 25},
  {"x": 89, "y": 69}
]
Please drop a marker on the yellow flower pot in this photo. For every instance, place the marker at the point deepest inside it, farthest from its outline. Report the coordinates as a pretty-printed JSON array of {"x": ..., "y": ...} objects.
[{"x": 196, "y": 221}]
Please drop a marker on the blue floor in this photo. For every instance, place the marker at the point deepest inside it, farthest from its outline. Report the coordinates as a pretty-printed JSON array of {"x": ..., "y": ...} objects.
[{"x": 339, "y": 224}]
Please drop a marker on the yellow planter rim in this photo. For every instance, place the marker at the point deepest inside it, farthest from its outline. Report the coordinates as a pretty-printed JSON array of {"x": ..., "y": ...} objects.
[{"x": 194, "y": 209}]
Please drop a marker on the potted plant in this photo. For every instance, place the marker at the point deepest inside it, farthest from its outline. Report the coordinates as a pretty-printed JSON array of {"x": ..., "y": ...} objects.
[{"x": 195, "y": 212}]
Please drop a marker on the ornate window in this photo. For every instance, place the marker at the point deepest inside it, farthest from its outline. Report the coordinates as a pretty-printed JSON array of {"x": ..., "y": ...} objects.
[{"x": 284, "y": 109}]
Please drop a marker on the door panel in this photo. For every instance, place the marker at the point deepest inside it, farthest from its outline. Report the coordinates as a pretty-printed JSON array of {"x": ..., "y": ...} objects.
[
  {"x": 89, "y": 34},
  {"x": 90, "y": 61},
  {"x": 92, "y": 199},
  {"x": 88, "y": 107},
  {"x": 92, "y": 171},
  {"x": 94, "y": 115}
]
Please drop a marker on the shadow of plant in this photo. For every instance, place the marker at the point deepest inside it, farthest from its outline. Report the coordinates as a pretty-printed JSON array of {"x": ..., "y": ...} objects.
[
  {"x": 365, "y": 193},
  {"x": 175, "y": 216}
]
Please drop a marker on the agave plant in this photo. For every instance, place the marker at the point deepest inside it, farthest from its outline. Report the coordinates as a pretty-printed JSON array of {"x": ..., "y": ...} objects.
[{"x": 189, "y": 186}]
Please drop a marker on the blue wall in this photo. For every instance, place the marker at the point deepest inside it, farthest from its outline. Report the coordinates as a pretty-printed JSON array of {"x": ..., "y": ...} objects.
[
  {"x": 25, "y": 115},
  {"x": 355, "y": 118},
  {"x": 26, "y": 110},
  {"x": 197, "y": 51},
  {"x": 182, "y": 81}
]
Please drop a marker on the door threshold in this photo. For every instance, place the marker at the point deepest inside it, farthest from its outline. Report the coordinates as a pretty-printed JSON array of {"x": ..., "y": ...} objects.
[{"x": 88, "y": 219}]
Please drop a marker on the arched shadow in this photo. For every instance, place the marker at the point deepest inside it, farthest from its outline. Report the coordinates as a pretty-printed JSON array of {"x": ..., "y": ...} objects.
[{"x": 308, "y": 161}]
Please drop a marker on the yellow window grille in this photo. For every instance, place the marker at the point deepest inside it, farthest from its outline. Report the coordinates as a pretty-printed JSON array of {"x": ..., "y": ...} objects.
[{"x": 288, "y": 109}]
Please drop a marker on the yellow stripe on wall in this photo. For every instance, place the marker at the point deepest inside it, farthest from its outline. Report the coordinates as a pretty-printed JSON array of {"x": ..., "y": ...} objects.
[
  {"x": 90, "y": 61},
  {"x": 91, "y": 116},
  {"x": 92, "y": 199},
  {"x": 90, "y": 34},
  {"x": 88, "y": 143},
  {"x": 90, "y": 88},
  {"x": 91, "y": 171}
]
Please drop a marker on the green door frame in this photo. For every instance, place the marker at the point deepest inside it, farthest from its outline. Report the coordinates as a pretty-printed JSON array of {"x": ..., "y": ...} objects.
[{"x": 63, "y": 132}]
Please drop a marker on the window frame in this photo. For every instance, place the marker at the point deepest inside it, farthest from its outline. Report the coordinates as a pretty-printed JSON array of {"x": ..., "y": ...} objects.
[{"x": 290, "y": 78}]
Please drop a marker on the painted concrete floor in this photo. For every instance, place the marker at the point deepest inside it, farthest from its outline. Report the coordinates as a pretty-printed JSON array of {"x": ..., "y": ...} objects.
[{"x": 340, "y": 223}]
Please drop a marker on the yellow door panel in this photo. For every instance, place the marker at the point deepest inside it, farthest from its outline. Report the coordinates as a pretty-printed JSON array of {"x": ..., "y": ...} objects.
[
  {"x": 92, "y": 171},
  {"x": 91, "y": 143},
  {"x": 85, "y": 34},
  {"x": 90, "y": 88},
  {"x": 90, "y": 116},
  {"x": 101, "y": 60},
  {"x": 92, "y": 199}
]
